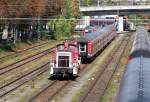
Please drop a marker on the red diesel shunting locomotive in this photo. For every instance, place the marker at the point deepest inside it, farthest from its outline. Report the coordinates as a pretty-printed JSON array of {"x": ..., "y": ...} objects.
[{"x": 65, "y": 61}]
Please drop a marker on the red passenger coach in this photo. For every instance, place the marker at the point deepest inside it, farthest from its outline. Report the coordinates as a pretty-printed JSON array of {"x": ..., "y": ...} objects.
[
  {"x": 65, "y": 61},
  {"x": 94, "y": 40}
]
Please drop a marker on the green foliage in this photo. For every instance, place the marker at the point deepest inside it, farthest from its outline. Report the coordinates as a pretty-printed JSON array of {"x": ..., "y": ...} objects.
[
  {"x": 69, "y": 9},
  {"x": 7, "y": 47},
  {"x": 72, "y": 9},
  {"x": 87, "y": 2},
  {"x": 64, "y": 25},
  {"x": 51, "y": 24},
  {"x": 63, "y": 28},
  {"x": 44, "y": 35}
]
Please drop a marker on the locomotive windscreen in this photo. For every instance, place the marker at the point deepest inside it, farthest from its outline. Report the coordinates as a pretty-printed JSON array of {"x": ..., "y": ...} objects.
[{"x": 63, "y": 61}]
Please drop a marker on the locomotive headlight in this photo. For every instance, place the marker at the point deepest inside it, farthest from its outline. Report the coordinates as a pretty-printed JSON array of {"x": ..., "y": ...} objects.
[
  {"x": 75, "y": 69},
  {"x": 51, "y": 68}
]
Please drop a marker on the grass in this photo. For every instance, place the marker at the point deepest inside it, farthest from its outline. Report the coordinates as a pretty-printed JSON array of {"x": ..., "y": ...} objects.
[
  {"x": 8, "y": 48},
  {"x": 81, "y": 92},
  {"x": 30, "y": 90}
]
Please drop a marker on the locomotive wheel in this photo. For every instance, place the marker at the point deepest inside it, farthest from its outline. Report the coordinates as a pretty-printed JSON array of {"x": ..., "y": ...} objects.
[{"x": 73, "y": 77}]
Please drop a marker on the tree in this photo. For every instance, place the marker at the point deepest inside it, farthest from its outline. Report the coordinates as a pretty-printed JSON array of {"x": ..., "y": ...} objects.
[
  {"x": 63, "y": 28},
  {"x": 35, "y": 8},
  {"x": 72, "y": 9},
  {"x": 65, "y": 24},
  {"x": 3, "y": 8}
]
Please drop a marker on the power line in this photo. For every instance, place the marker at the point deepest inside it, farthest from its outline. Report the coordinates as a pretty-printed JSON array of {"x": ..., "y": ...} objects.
[{"x": 46, "y": 19}]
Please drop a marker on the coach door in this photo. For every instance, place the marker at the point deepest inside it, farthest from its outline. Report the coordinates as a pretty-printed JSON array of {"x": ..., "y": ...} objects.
[{"x": 82, "y": 48}]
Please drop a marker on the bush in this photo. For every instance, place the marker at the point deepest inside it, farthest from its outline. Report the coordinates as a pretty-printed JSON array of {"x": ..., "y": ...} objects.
[
  {"x": 8, "y": 47},
  {"x": 63, "y": 28},
  {"x": 44, "y": 35}
]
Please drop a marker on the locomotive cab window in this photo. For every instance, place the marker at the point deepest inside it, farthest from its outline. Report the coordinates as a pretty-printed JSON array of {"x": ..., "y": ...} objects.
[
  {"x": 82, "y": 47},
  {"x": 63, "y": 61}
]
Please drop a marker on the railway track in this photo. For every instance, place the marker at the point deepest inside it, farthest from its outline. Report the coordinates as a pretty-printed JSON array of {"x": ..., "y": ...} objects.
[
  {"x": 21, "y": 80},
  {"x": 22, "y": 62},
  {"x": 18, "y": 81},
  {"x": 103, "y": 78},
  {"x": 18, "y": 65},
  {"x": 47, "y": 94},
  {"x": 52, "y": 89},
  {"x": 21, "y": 51}
]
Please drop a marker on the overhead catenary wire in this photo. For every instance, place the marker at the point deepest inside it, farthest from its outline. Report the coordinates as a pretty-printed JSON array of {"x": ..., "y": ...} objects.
[{"x": 36, "y": 18}]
